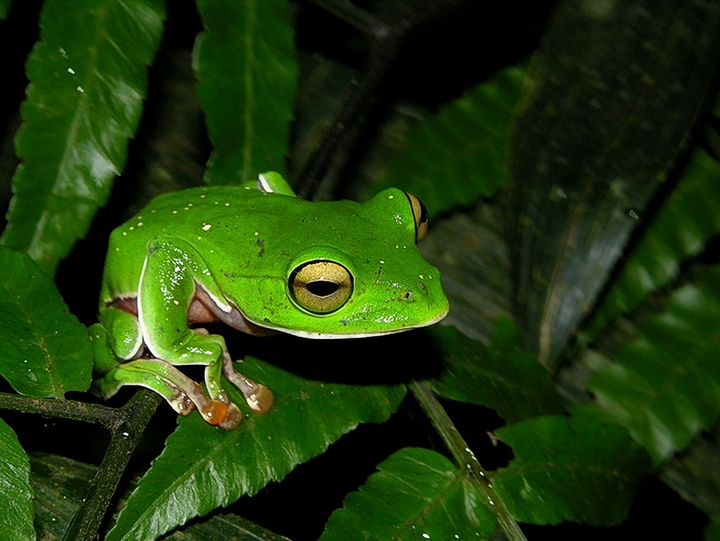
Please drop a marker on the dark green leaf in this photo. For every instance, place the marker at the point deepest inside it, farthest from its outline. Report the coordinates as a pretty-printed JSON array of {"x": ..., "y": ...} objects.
[
  {"x": 459, "y": 155},
  {"x": 224, "y": 528},
  {"x": 593, "y": 141},
  {"x": 204, "y": 467},
  {"x": 416, "y": 494},
  {"x": 665, "y": 385},
  {"x": 712, "y": 531},
  {"x": 44, "y": 350},
  {"x": 61, "y": 486},
  {"x": 87, "y": 83},
  {"x": 688, "y": 220},
  {"x": 569, "y": 469},
  {"x": 502, "y": 376},
  {"x": 16, "y": 495},
  {"x": 246, "y": 68},
  {"x": 4, "y": 8}
]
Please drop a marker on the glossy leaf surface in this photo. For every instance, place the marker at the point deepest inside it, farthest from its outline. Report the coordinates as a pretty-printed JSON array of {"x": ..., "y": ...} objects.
[
  {"x": 416, "y": 494},
  {"x": 592, "y": 141},
  {"x": 44, "y": 350},
  {"x": 246, "y": 70},
  {"x": 459, "y": 154},
  {"x": 16, "y": 494},
  {"x": 665, "y": 385},
  {"x": 204, "y": 467},
  {"x": 687, "y": 221},
  {"x": 87, "y": 84},
  {"x": 569, "y": 469},
  {"x": 502, "y": 376}
]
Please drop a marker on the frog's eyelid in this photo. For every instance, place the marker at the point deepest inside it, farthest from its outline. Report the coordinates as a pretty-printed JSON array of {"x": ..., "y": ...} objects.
[
  {"x": 420, "y": 216},
  {"x": 263, "y": 184}
]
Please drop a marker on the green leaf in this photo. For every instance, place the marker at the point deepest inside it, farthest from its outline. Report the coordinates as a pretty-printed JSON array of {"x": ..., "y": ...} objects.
[
  {"x": 569, "y": 469},
  {"x": 16, "y": 495},
  {"x": 665, "y": 386},
  {"x": 247, "y": 79},
  {"x": 4, "y": 8},
  {"x": 61, "y": 486},
  {"x": 687, "y": 221},
  {"x": 459, "y": 155},
  {"x": 712, "y": 531},
  {"x": 416, "y": 494},
  {"x": 592, "y": 142},
  {"x": 44, "y": 350},
  {"x": 502, "y": 376},
  {"x": 204, "y": 467},
  {"x": 223, "y": 528},
  {"x": 87, "y": 82}
]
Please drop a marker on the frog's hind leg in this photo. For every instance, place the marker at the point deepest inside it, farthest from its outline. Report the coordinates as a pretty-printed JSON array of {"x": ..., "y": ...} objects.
[
  {"x": 257, "y": 396},
  {"x": 182, "y": 393}
]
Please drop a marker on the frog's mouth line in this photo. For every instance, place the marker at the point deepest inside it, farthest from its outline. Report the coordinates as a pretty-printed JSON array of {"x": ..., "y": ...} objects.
[{"x": 318, "y": 335}]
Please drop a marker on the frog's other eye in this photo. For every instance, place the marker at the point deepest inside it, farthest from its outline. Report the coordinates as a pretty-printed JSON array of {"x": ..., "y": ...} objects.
[
  {"x": 420, "y": 215},
  {"x": 320, "y": 286}
]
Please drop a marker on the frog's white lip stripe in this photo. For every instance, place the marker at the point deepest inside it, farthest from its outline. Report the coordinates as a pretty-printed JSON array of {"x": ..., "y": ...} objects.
[{"x": 329, "y": 336}]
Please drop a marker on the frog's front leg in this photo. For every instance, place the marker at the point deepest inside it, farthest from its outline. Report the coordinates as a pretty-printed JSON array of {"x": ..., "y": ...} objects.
[
  {"x": 172, "y": 273},
  {"x": 118, "y": 340},
  {"x": 171, "y": 276}
]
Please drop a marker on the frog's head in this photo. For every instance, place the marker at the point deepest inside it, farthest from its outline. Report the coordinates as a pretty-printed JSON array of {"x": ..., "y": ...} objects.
[{"x": 354, "y": 270}]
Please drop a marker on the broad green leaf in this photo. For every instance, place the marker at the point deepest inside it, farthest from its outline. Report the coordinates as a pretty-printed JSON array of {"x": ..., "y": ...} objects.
[
  {"x": 712, "y": 531},
  {"x": 87, "y": 83},
  {"x": 16, "y": 494},
  {"x": 592, "y": 142},
  {"x": 44, "y": 350},
  {"x": 687, "y": 221},
  {"x": 665, "y": 386},
  {"x": 569, "y": 469},
  {"x": 204, "y": 467},
  {"x": 61, "y": 486},
  {"x": 4, "y": 8},
  {"x": 246, "y": 69},
  {"x": 416, "y": 494},
  {"x": 223, "y": 528},
  {"x": 502, "y": 376},
  {"x": 459, "y": 155}
]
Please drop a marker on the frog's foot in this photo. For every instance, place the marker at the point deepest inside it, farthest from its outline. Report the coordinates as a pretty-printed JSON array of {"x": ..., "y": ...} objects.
[
  {"x": 182, "y": 393},
  {"x": 258, "y": 397}
]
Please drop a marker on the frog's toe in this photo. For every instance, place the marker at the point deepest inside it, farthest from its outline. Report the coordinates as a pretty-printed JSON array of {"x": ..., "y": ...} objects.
[
  {"x": 233, "y": 417},
  {"x": 258, "y": 397},
  {"x": 182, "y": 403},
  {"x": 223, "y": 414},
  {"x": 261, "y": 399}
]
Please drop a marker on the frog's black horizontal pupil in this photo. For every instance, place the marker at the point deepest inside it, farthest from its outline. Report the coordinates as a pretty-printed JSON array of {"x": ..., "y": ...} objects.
[{"x": 322, "y": 288}]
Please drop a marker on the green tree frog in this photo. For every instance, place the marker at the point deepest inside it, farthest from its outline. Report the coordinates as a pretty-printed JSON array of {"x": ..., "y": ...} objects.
[{"x": 261, "y": 260}]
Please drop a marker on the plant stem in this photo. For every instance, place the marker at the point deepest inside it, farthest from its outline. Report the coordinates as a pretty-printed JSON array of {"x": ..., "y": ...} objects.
[
  {"x": 132, "y": 419},
  {"x": 356, "y": 17},
  {"x": 464, "y": 457},
  {"x": 65, "y": 409}
]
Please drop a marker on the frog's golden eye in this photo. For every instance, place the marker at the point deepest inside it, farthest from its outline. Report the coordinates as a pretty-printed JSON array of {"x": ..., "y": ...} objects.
[
  {"x": 320, "y": 286},
  {"x": 420, "y": 215}
]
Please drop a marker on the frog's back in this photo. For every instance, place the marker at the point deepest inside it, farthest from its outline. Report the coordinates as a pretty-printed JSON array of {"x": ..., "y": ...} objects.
[{"x": 190, "y": 214}]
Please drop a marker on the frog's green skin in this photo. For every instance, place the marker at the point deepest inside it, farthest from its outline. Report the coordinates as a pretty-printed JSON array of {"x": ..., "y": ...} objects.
[{"x": 232, "y": 254}]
